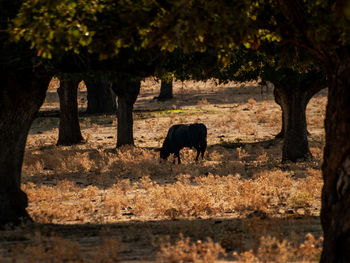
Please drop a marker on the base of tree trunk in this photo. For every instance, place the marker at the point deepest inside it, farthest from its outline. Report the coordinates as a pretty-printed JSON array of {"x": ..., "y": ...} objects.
[
  {"x": 304, "y": 158},
  {"x": 21, "y": 96},
  {"x": 166, "y": 90},
  {"x": 12, "y": 207},
  {"x": 279, "y": 135}
]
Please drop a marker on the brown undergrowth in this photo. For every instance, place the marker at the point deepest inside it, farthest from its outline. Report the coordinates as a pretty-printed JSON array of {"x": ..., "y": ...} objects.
[
  {"x": 101, "y": 187},
  {"x": 269, "y": 249},
  {"x": 58, "y": 250}
]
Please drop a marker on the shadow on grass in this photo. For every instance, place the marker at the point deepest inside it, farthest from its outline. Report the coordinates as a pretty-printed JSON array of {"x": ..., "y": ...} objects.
[
  {"x": 140, "y": 240},
  {"x": 264, "y": 144}
]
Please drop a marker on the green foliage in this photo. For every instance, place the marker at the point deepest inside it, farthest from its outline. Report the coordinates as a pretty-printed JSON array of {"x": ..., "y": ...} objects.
[
  {"x": 60, "y": 24},
  {"x": 106, "y": 26}
]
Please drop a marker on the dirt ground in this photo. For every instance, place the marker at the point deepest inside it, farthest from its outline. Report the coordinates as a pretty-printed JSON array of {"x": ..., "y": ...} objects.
[{"x": 240, "y": 196}]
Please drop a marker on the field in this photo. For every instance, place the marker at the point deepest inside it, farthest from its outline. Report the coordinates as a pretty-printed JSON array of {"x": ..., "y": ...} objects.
[{"x": 93, "y": 203}]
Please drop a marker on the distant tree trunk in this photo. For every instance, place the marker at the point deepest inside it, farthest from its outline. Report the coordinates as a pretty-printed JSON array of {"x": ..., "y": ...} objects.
[
  {"x": 166, "y": 90},
  {"x": 127, "y": 92},
  {"x": 21, "y": 95},
  {"x": 69, "y": 128},
  {"x": 335, "y": 213},
  {"x": 101, "y": 98},
  {"x": 293, "y": 100}
]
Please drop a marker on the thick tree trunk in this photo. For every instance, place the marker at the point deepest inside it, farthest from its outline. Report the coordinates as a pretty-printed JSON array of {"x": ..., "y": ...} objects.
[
  {"x": 166, "y": 90},
  {"x": 101, "y": 98},
  {"x": 69, "y": 128},
  {"x": 335, "y": 213},
  {"x": 293, "y": 103},
  {"x": 293, "y": 99},
  {"x": 127, "y": 92},
  {"x": 21, "y": 95}
]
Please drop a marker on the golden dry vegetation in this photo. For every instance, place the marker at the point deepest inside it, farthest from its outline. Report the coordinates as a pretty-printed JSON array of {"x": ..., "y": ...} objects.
[{"x": 92, "y": 203}]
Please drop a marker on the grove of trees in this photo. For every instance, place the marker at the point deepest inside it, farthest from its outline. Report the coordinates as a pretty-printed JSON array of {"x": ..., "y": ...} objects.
[{"x": 134, "y": 39}]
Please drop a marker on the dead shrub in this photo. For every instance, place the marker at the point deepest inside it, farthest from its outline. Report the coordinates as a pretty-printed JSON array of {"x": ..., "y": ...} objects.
[
  {"x": 273, "y": 250},
  {"x": 186, "y": 251}
]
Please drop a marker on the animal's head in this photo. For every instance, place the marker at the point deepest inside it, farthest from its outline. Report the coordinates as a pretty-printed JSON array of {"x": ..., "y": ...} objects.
[{"x": 164, "y": 154}]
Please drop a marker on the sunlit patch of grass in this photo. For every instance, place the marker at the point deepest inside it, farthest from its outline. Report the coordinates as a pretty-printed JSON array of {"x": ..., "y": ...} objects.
[
  {"x": 189, "y": 195},
  {"x": 316, "y": 111},
  {"x": 175, "y": 112},
  {"x": 307, "y": 190}
]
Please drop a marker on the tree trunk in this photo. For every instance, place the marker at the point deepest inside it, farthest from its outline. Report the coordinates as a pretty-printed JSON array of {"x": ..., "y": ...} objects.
[
  {"x": 293, "y": 103},
  {"x": 69, "y": 128},
  {"x": 335, "y": 213},
  {"x": 101, "y": 98},
  {"x": 278, "y": 101},
  {"x": 127, "y": 92},
  {"x": 21, "y": 95},
  {"x": 166, "y": 90},
  {"x": 293, "y": 99}
]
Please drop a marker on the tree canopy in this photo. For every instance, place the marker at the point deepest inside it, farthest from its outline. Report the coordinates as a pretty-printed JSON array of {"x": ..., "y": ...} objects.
[
  {"x": 104, "y": 27},
  {"x": 306, "y": 33}
]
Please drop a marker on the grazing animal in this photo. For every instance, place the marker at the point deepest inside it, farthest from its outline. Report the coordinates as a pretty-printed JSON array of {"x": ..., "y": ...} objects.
[{"x": 182, "y": 135}]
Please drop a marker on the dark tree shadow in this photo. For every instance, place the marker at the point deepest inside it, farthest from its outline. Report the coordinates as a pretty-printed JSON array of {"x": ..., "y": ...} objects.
[{"x": 140, "y": 240}]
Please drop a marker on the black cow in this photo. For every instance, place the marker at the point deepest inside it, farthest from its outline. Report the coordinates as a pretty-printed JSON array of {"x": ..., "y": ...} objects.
[{"x": 182, "y": 135}]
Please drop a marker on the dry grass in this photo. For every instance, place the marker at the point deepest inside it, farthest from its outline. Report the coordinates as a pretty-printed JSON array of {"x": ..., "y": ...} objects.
[
  {"x": 103, "y": 197},
  {"x": 269, "y": 249},
  {"x": 273, "y": 250},
  {"x": 241, "y": 178},
  {"x": 186, "y": 251},
  {"x": 59, "y": 250}
]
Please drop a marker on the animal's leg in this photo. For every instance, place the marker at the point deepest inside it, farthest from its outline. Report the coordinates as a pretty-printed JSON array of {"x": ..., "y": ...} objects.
[
  {"x": 178, "y": 157},
  {"x": 198, "y": 152},
  {"x": 203, "y": 148}
]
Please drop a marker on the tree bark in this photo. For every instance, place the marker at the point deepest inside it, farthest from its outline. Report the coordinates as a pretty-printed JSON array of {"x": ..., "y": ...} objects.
[
  {"x": 166, "y": 90},
  {"x": 101, "y": 98},
  {"x": 69, "y": 128},
  {"x": 21, "y": 95},
  {"x": 127, "y": 92},
  {"x": 293, "y": 104},
  {"x": 335, "y": 213}
]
